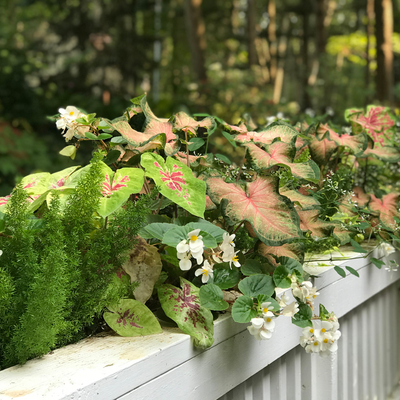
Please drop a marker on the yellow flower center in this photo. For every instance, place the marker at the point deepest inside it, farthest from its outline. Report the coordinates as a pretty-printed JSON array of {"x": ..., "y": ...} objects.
[
  {"x": 236, "y": 258},
  {"x": 193, "y": 238},
  {"x": 326, "y": 340},
  {"x": 205, "y": 272},
  {"x": 311, "y": 330},
  {"x": 323, "y": 330},
  {"x": 265, "y": 310},
  {"x": 71, "y": 112},
  {"x": 268, "y": 319},
  {"x": 316, "y": 343},
  {"x": 314, "y": 296}
]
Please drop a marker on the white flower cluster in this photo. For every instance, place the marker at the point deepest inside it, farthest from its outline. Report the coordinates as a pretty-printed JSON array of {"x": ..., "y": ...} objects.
[
  {"x": 193, "y": 247},
  {"x": 321, "y": 337},
  {"x": 288, "y": 310},
  {"x": 67, "y": 120},
  {"x": 305, "y": 292},
  {"x": 262, "y": 328}
]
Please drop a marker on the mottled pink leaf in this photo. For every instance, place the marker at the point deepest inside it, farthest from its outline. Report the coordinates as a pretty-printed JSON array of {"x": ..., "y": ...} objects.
[
  {"x": 386, "y": 208},
  {"x": 276, "y": 130},
  {"x": 309, "y": 221},
  {"x": 386, "y": 153},
  {"x": 321, "y": 147},
  {"x": 237, "y": 129},
  {"x": 184, "y": 121},
  {"x": 306, "y": 202},
  {"x": 280, "y": 153},
  {"x": 291, "y": 250},
  {"x": 273, "y": 219},
  {"x": 157, "y": 126}
]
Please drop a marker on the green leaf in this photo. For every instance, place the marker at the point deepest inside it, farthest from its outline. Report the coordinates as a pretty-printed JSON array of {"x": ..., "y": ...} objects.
[
  {"x": 229, "y": 138},
  {"x": 184, "y": 307},
  {"x": 281, "y": 277},
  {"x": 112, "y": 157},
  {"x": 253, "y": 267},
  {"x": 91, "y": 136},
  {"x": 176, "y": 182},
  {"x": 196, "y": 143},
  {"x": 132, "y": 318},
  {"x": 223, "y": 158},
  {"x": 211, "y": 296},
  {"x": 179, "y": 233},
  {"x": 377, "y": 263},
  {"x": 155, "y": 230},
  {"x": 340, "y": 271},
  {"x": 254, "y": 285},
  {"x": 224, "y": 277},
  {"x": 303, "y": 317},
  {"x": 353, "y": 271},
  {"x": 323, "y": 312},
  {"x": 104, "y": 136},
  {"x": 118, "y": 140},
  {"x": 243, "y": 309},
  {"x": 69, "y": 151},
  {"x": 357, "y": 247}
]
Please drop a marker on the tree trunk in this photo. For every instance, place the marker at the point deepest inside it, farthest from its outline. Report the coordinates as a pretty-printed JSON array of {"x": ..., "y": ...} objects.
[
  {"x": 272, "y": 38},
  {"x": 251, "y": 32},
  {"x": 384, "y": 50},
  {"x": 321, "y": 32},
  {"x": 306, "y": 101},
  {"x": 370, "y": 32},
  {"x": 196, "y": 35}
]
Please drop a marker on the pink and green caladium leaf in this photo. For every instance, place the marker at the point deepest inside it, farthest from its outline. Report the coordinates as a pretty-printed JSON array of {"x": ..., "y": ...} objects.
[
  {"x": 133, "y": 137},
  {"x": 357, "y": 144},
  {"x": 280, "y": 153},
  {"x": 386, "y": 208},
  {"x": 386, "y": 153},
  {"x": 377, "y": 122},
  {"x": 184, "y": 307},
  {"x": 176, "y": 182},
  {"x": 291, "y": 250},
  {"x": 341, "y": 233},
  {"x": 321, "y": 147},
  {"x": 271, "y": 215},
  {"x": 284, "y": 132},
  {"x": 183, "y": 121},
  {"x": 305, "y": 202},
  {"x": 117, "y": 187},
  {"x": 309, "y": 221},
  {"x": 131, "y": 318}
]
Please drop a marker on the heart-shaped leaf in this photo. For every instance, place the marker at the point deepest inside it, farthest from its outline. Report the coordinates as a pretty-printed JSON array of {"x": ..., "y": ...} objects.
[
  {"x": 386, "y": 208},
  {"x": 309, "y": 221},
  {"x": 211, "y": 296},
  {"x": 291, "y": 250},
  {"x": 225, "y": 277},
  {"x": 243, "y": 309},
  {"x": 254, "y": 285}
]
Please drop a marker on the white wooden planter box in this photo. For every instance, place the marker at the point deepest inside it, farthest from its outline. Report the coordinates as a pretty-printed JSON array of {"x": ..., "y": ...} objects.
[{"x": 167, "y": 366}]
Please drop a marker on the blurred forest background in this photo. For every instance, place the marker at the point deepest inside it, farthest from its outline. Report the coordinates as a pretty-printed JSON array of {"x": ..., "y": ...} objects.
[{"x": 225, "y": 57}]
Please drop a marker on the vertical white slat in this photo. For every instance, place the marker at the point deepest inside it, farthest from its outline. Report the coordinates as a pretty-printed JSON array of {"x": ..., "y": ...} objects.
[
  {"x": 307, "y": 377},
  {"x": 380, "y": 345},
  {"x": 326, "y": 377},
  {"x": 238, "y": 392},
  {"x": 278, "y": 379},
  {"x": 256, "y": 385},
  {"x": 354, "y": 364},
  {"x": 363, "y": 353},
  {"x": 344, "y": 375},
  {"x": 388, "y": 349},
  {"x": 397, "y": 311},
  {"x": 293, "y": 373},
  {"x": 266, "y": 384}
]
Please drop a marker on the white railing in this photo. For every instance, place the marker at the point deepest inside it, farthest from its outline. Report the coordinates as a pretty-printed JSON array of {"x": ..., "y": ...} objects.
[{"x": 167, "y": 366}]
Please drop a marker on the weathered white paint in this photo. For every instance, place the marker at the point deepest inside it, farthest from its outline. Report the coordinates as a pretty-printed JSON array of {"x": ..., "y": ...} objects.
[{"x": 167, "y": 366}]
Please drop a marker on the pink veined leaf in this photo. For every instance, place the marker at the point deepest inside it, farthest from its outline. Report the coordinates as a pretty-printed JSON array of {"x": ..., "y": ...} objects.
[
  {"x": 132, "y": 136},
  {"x": 108, "y": 188},
  {"x": 309, "y": 221},
  {"x": 385, "y": 153},
  {"x": 182, "y": 121},
  {"x": 183, "y": 158},
  {"x": 358, "y": 197},
  {"x": 209, "y": 204},
  {"x": 341, "y": 233},
  {"x": 276, "y": 130},
  {"x": 291, "y": 250},
  {"x": 386, "y": 208},
  {"x": 282, "y": 153},
  {"x": 355, "y": 143},
  {"x": 238, "y": 129},
  {"x": 377, "y": 123},
  {"x": 306, "y": 202},
  {"x": 4, "y": 200},
  {"x": 321, "y": 148},
  {"x": 162, "y": 125},
  {"x": 273, "y": 219}
]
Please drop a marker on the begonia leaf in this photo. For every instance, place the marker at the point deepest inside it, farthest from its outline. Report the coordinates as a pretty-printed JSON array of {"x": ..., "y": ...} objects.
[
  {"x": 117, "y": 187},
  {"x": 212, "y": 297},
  {"x": 176, "y": 182},
  {"x": 131, "y": 318},
  {"x": 184, "y": 307},
  {"x": 243, "y": 309},
  {"x": 280, "y": 153},
  {"x": 377, "y": 122},
  {"x": 273, "y": 219},
  {"x": 386, "y": 208},
  {"x": 225, "y": 277},
  {"x": 175, "y": 235},
  {"x": 254, "y": 285},
  {"x": 281, "y": 277},
  {"x": 254, "y": 267},
  {"x": 309, "y": 221},
  {"x": 155, "y": 230},
  {"x": 303, "y": 317}
]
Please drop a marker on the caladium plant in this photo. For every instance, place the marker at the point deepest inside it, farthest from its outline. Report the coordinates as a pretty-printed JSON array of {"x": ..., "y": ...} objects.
[{"x": 228, "y": 235}]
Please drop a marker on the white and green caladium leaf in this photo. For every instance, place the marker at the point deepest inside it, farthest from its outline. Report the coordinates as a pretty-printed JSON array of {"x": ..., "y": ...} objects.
[
  {"x": 131, "y": 318},
  {"x": 176, "y": 182},
  {"x": 184, "y": 307},
  {"x": 117, "y": 187},
  {"x": 271, "y": 215},
  {"x": 280, "y": 153}
]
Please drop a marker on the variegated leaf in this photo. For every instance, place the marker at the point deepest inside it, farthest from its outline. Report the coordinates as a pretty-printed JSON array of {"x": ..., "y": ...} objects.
[
  {"x": 309, "y": 221},
  {"x": 291, "y": 250},
  {"x": 280, "y": 153},
  {"x": 176, "y": 182},
  {"x": 285, "y": 132},
  {"x": 385, "y": 208},
  {"x": 184, "y": 307},
  {"x": 183, "y": 121},
  {"x": 321, "y": 148},
  {"x": 306, "y": 202},
  {"x": 386, "y": 153},
  {"x": 273, "y": 218}
]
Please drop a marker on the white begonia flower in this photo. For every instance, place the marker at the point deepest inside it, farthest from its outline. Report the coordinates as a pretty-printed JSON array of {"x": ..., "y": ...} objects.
[
  {"x": 387, "y": 249},
  {"x": 393, "y": 266},
  {"x": 231, "y": 257},
  {"x": 198, "y": 256},
  {"x": 227, "y": 242},
  {"x": 206, "y": 271},
  {"x": 195, "y": 242},
  {"x": 290, "y": 310},
  {"x": 305, "y": 292},
  {"x": 67, "y": 119},
  {"x": 266, "y": 309},
  {"x": 1, "y": 252},
  {"x": 259, "y": 330},
  {"x": 182, "y": 247},
  {"x": 184, "y": 264},
  {"x": 283, "y": 300}
]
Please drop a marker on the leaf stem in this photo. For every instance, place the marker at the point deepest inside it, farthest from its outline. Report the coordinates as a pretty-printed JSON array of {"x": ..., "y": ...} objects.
[
  {"x": 187, "y": 148},
  {"x": 159, "y": 204}
]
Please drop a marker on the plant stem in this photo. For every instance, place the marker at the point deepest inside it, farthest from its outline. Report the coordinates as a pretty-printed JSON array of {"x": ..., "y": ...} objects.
[
  {"x": 159, "y": 204},
  {"x": 241, "y": 164},
  {"x": 237, "y": 228}
]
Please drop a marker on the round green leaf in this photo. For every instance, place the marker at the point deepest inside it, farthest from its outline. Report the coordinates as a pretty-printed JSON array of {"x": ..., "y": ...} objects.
[
  {"x": 281, "y": 278},
  {"x": 211, "y": 296},
  {"x": 243, "y": 309},
  {"x": 225, "y": 277},
  {"x": 257, "y": 284}
]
